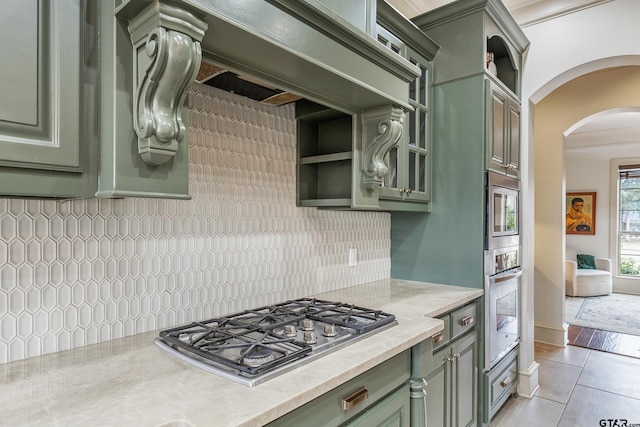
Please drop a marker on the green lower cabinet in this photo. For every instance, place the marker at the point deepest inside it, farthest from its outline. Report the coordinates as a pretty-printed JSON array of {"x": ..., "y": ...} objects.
[
  {"x": 445, "y": 372},
  {"x": 393, "y": 411},
  {"x": 452, "y": 384},
  {"x": 378, "y": 397},
  {"x": 439, "y": 390}
]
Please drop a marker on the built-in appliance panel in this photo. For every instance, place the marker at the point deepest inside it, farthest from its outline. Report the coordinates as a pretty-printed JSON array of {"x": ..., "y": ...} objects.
[
  {"x": 463, "y": 320},
  {"x": 327, "y": 410}
]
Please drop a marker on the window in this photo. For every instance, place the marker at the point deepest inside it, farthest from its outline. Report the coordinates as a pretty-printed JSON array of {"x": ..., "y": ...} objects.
[{"x": 629, "y": 220}]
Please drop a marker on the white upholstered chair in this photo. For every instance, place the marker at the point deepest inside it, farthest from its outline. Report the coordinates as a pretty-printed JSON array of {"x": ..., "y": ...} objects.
[{"x": 582, "y": 282}]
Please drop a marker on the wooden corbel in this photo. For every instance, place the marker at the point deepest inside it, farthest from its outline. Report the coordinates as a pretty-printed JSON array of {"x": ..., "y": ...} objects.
[
  {"x": 382, "y": 129},
  {"x": 167, "y": 54}
]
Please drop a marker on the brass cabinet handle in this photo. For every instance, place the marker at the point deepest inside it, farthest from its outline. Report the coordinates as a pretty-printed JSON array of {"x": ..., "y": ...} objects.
[
  {"x": 466, "y": 321},
  {"x": 437, "y": 338},
  {"x": 505, "y": 382},
  {"x": 352, "y": 400},
  {"x": 456, "y": 356}
]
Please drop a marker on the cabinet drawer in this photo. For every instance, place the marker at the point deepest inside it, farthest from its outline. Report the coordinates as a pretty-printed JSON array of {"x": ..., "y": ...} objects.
[
  {"x": 327, "y": 410},
  {"x": 444, "y": 336},
  {"x": 393, "y": 410},
  {"x": 501, "y": 382},
  {"x": 463, "y": 320}
]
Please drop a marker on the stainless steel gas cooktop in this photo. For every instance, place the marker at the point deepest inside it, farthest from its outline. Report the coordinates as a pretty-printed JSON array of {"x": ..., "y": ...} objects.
[{"x": 255, "y": 345}]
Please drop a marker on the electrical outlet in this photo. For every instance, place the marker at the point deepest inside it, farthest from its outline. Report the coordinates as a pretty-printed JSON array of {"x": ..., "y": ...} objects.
[{"x": 353, "y": 257}]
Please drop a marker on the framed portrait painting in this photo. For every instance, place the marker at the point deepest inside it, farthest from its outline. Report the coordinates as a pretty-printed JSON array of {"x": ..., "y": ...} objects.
[{"x": 581, "y": 213}]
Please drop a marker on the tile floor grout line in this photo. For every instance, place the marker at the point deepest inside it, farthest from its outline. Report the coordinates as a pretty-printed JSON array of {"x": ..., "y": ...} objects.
[{"x": 564, "y": 407}]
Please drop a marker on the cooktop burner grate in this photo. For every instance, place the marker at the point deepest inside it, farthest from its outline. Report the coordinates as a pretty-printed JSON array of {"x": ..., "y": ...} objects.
[{"x": 257, "y": 341}]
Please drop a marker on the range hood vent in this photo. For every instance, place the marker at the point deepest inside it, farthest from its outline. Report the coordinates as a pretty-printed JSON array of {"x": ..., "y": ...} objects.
[{"x": 243, "y": 85}]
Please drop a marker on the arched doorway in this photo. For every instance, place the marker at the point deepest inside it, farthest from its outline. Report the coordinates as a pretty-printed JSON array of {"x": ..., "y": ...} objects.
[{"x": 587, "y": 90}]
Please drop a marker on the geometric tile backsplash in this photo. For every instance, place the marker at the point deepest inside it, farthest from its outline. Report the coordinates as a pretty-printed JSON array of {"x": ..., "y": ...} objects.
[{"x": 78, "y": 272}]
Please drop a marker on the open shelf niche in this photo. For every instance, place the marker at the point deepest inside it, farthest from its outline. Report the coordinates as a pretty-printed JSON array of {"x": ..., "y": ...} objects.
[
  {"x": 325, "y": 144},
  {"x": 507, "y": 71}
]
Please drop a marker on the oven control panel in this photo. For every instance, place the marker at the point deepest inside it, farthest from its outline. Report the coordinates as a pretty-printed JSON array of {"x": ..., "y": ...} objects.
[{"x": 500, "y": 260}]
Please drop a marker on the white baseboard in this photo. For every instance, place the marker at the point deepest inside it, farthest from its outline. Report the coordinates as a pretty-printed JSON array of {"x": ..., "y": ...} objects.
[
  {"x": 528, "y": 381},
  {"x": 626, "y": 287},
  {"x": 551, "y": 334}
]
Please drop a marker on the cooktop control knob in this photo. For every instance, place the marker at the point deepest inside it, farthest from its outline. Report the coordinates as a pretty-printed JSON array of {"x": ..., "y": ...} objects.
[
  {"x": 310, "y": 337},
  {"x": 290, "y": 331},
  {"x": 329, "y": 331},
  {"x": 307, "y": 325}
]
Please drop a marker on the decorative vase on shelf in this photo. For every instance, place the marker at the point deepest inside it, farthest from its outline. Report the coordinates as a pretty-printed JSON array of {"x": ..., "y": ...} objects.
[{"x": 491, "y": 66}]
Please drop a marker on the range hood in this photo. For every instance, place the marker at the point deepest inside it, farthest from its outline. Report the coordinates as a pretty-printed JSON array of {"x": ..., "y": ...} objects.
[
  {"x": 298, "y": 46},
  {"x": 276, "y": 51}
]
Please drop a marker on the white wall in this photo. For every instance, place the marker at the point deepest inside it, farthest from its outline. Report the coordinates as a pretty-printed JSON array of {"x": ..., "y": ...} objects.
[
  {"x": 561, "y": 49},
  {"x": 589, "y": 174}
]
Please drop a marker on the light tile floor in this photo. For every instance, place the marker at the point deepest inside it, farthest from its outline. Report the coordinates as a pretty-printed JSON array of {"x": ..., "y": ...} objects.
[{"x": 578, "y": 387}]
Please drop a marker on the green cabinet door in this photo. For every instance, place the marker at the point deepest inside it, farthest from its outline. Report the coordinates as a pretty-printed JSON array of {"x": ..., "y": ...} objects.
[
  {"x": 407, "y": 186},
  {"x": 452, "y": 384},
  {"x": 465, "y": 377},
  {"x": 438, "y": 390},
  {"x": 46, "y": 142},
  {"x": 503, "y": 131}
]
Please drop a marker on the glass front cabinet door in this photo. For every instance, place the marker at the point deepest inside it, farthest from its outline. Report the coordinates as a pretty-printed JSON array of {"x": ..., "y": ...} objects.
[{"x": 409, "y": 160}]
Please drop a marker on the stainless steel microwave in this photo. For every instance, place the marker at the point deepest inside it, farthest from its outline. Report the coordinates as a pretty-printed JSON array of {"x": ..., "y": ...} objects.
[{"x": 503, "y": 211}]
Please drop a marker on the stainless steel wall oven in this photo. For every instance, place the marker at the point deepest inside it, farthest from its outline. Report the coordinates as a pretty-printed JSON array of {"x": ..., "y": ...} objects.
[
  {"x": 502, "y": 273},
  {"x": 502, "y": 308}
]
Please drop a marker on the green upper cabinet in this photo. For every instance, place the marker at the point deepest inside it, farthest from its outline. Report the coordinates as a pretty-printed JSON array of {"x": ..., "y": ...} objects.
[
  {"x": 503, "y": 131},
  {"x": 407, "y": 185},
  {"x": 67, "y": 122},
  {"x": 378, "y": 158},
  {"x": 470, "y": 33},
  {"x": 475, "y": 116},
  {"x": 94, "y": 92},
  {"x": 480, "y": 38},
  {"x": 47, "y": 145}
]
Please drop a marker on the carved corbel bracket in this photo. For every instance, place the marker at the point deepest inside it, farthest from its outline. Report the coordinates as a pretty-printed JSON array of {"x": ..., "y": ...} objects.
[
  {"x": 167, "y": 54},
  {"x": 382, "y": 128}
]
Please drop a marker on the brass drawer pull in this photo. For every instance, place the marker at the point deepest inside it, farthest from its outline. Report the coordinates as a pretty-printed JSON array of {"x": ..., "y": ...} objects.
[
  {"x": 351, "y": 401},
  {"x": 466, "y": 321},
  {"x": 437, "y": 338},
  {"x": 505, "y": 382}
]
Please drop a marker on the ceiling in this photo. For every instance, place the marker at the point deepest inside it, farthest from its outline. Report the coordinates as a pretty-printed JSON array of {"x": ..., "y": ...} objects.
[{"x": 609, "y": 135}]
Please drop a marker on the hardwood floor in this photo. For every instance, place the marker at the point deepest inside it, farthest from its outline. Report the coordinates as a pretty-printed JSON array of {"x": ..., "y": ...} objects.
[{"x": 610, "y": 342}]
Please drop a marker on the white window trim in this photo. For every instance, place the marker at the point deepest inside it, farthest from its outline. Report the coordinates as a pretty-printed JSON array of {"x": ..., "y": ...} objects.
[{"x": 623, "y": 284}]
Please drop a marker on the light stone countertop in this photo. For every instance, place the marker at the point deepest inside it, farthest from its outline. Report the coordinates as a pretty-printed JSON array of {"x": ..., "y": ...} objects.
[{"x": 131, "y": 381}]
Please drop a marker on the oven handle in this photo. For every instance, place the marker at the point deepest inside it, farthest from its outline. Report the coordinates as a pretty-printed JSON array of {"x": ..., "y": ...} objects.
[{"x": 513, "y": 274}]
